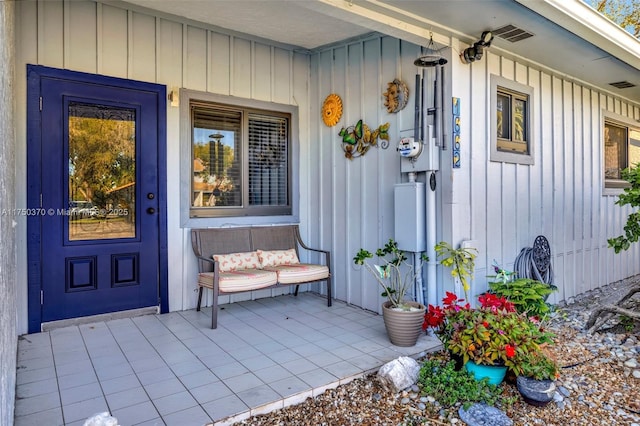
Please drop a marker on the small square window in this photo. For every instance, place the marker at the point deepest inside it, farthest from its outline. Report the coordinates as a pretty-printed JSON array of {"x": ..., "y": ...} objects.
[
  {"x": 510, "y": 121},
  {"x": 621, "y": 141}
]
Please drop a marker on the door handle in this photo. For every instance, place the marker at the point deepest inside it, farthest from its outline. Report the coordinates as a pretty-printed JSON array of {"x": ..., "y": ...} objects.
[{"x": 151, "y": 210}]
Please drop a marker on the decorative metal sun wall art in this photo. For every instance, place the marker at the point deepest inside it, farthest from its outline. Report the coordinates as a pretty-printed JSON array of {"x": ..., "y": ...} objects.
[
  {"x": 357, "y": 139},
  {"x": 396, "y": 96},
  {"x": 332, "y": 110}
]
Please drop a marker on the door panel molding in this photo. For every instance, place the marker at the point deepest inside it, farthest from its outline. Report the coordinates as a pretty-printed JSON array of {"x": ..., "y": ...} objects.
[{"x": 35, "y": 125}]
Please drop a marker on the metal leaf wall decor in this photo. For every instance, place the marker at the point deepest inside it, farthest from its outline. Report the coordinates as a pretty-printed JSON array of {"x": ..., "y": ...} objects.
[{"x": 357, "y": 139}]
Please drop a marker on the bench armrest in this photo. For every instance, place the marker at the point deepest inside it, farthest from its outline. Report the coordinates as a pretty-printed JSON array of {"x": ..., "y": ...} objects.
[
  {"x": 206, "y": 259},
  {"x": 327, "y": 254}
]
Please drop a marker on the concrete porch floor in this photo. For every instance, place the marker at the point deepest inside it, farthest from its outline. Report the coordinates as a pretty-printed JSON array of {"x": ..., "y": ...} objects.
[{"x": 172, "y": 369}]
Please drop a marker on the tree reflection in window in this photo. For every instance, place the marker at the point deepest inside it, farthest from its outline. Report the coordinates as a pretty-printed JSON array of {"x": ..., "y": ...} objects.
[{"x": 101, "y": 170}]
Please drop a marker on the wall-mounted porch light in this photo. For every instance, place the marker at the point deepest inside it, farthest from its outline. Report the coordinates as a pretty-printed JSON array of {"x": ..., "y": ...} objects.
[{"x": 475, "y": 52}]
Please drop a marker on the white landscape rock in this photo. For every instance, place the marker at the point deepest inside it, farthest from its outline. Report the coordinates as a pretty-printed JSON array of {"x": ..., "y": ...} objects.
[
  {"x": 402, "y": 372},
  {"x": 101, "y": 419}
]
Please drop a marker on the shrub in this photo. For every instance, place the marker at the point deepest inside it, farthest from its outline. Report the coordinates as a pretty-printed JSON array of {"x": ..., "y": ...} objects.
[
  {"x": 528, "y": 295},
  {"x": 494, "y": 333},
  {"x": 440, "y": 380},
  {"x": 631, "y": 197}
]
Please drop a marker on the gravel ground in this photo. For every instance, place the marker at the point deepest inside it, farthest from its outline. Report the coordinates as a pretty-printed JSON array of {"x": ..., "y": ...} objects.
[{"x": 599, "y": 383}]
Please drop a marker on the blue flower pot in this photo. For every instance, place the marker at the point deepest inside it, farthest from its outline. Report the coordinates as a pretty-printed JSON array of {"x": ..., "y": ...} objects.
[{"x": 495, "y": 373}]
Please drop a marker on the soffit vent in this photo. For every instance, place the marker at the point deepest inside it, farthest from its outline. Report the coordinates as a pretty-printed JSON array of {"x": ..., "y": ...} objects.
[
  {"x": 622, "y": 84},
  {"x": 511, "y": 33}
]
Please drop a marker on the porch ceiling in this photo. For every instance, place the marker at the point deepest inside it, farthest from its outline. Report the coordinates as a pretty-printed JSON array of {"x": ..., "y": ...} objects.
[{"x": 610, "y": 55}]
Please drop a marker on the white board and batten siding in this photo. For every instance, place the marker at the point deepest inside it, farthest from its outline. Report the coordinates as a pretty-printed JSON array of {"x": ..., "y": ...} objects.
[
  {"x": 345, "y": 205},
  {"x": 500, "y": 207},
  {"x": 111, "y": 40},
  {"x": 505, "y": 206},
  {"x": 357, "y": 194}
]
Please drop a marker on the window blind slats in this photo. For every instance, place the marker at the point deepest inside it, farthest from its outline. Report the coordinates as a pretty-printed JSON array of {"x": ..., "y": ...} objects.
[{"x": 268, "y": 160}]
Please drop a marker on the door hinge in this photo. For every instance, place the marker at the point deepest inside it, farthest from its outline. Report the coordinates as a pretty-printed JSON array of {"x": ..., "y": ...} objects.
[
  {"x": 42, "y": 297},
  {"x": 40, "y": 200},
  {"x": 40, "y": 103}
]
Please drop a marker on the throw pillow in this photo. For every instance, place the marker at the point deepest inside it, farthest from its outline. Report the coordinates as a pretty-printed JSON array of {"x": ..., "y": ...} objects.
[
  {"x": 278, "y": 257},
  {"x": 235, "y": 261}
]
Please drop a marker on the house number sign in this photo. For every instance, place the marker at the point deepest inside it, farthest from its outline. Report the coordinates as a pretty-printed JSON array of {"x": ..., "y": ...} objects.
[{"x": 455, "y": 134}]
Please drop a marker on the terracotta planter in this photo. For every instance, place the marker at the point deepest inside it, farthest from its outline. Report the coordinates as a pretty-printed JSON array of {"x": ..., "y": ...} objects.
[{"x": 403, "y": 327}]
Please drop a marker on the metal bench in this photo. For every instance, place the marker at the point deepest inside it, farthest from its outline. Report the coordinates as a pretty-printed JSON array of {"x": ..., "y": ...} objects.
[{"x": 233, "y": 243}]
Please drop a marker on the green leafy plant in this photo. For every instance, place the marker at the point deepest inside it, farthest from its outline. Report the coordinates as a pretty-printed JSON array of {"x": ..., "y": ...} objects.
[
  {"x": 460, "y": 260},
  {"x": 494, "y": 333},
  {"x": 537, "y": 365},
  {"x": 527, "y": 295},
  {"x": 631, "y": 197},
  {"x": 395, "y": 275},
  {"x": 627, "y": 323},
  {"x": 440, "y": 380}
]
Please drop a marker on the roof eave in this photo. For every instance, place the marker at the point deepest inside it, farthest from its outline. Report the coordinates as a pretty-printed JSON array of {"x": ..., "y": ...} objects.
[{"x": 582, "y": 20}]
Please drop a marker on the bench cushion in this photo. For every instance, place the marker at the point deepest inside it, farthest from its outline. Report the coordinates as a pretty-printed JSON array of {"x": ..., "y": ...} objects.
[
  {"x": 235, "y": 261},
  {"x": 277, "y": 257},
  {"x": 299, "y": 273},
  {"x": 236, "y": 281}
]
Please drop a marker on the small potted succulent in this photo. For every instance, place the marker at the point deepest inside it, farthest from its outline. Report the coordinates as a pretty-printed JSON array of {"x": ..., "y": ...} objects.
[{"x": 395, "y": 275}]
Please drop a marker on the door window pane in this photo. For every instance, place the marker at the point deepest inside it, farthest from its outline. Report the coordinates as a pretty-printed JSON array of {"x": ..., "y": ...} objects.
[{"x": 101, "y": 171}]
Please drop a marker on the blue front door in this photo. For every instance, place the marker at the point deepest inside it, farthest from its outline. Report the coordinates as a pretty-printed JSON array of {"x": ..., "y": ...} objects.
[{"x": 98, "y": 218}]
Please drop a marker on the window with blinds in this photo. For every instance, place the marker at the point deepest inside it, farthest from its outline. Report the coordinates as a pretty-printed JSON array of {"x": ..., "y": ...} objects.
[{"x": 241, "y": 161}]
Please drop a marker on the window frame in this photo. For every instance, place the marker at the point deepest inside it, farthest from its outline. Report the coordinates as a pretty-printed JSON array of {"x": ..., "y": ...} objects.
[
  {"x": 615, "y": 186},
  {"x": 244, "y": 215},
  {"x": 517, "y": 90}
]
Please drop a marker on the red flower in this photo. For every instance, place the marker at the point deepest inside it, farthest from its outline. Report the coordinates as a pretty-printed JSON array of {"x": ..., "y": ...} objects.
[
  {"x": 450, "y": 300},
  {"x": 510, "y": 350},
  {"x": 508, "y": 306},
  {"x": 486, "y": 324},
  {"x": 495, "y": 303},
  {"x": 433, "y": 318}
]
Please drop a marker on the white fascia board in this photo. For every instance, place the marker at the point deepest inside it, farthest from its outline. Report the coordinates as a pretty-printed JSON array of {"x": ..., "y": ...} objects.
[
  {"x": 392, "y": 24},
  {"x": 579, "y": 18}
]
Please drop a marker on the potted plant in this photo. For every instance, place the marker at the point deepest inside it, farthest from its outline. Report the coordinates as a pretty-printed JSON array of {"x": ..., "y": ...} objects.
[
  {"x": 460, "y": 260},
  {"x": 492, "y": 337},
  {"x": 395, "y": 275},
  {"x": 536, "y": 381}
]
